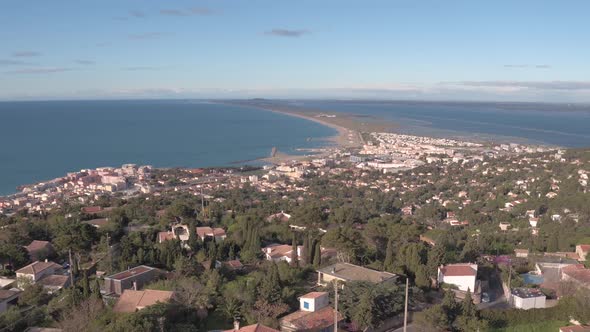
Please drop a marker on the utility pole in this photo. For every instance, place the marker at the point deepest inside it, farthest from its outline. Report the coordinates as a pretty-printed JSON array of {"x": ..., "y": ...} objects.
[
  {"x": 335, "y": 305},
  {"x": 406, "y": 306}
]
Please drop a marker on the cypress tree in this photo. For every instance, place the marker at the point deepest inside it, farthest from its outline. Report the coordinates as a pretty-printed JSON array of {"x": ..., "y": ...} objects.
[
  {"x": 270, "y": 287},
  {"x": 306, "y": 252},
  {"x": 85, "y": 285},
  {"x": 294, "y": 255},
  {"x": 96, "y": 290},
  {"x": 317, "y": 257},
  {"x": 389, "y": 256}
]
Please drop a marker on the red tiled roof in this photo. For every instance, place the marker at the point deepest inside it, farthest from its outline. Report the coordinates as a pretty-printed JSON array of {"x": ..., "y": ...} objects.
[
  {"x": 164, "y": 236},
  {"x": 578, "y": 273},
  {"x": 458, "y": 270},
  {"x": 37, "y": 245},
  {"x": 254, "y": 328},
  {"x": 311, "y": 320},
  {"x": 584, "y": 247},
  {"x": 208, "y": 231},
  {"x": 37, "y": 267},
  {"x": 575, "y": 328},
  {"x": 132, "y": 300},
  {"x": 91, "y": 209}
]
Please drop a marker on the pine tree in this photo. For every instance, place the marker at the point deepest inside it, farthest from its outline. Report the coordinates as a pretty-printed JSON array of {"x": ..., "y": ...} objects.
[
  {"x": 436, "y": 257},
  {"x": 388, "y": 263}
]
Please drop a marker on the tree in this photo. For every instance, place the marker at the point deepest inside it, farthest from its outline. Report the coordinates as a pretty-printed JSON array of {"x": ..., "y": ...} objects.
[
  {"x": 33, "y": 295},
  {"x": 435, "y": 317},
  {"x": 270, "y": 286},
  {"x": 96, "y": 290},
  {"x": 193, "y": 238},
  {"x": 294, "y": 250},
  {"x": 306, "y": 252},
  {"x": 389, "y": 256},
  {"x": 369, "y": 304},
  {"x": 85, "y": 285},
  {"x": 317, "y": 257},
  {"x": 436, "y": 258},
  {"x": 467, "y": 306},
  {"x": 13, "y": 255}
]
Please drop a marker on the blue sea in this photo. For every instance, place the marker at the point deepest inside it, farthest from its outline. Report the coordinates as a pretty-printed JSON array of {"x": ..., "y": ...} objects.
[
  {"x": 44, "y": 140},
  {"x": 548, "y": 124}
]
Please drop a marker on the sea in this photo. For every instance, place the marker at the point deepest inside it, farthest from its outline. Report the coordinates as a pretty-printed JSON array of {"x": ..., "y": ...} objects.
[
  {"x": 44, "y": 140},
  {"x": 564, "y": 125}
]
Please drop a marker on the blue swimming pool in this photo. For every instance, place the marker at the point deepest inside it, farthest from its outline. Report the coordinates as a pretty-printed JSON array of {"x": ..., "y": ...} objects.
[{"x": 532, "y": 279}]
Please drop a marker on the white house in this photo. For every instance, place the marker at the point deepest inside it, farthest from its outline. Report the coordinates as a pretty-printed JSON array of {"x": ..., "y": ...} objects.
[
  {"x": 462, "y": 275},
  {"x": 281, "y": 252},
  {"x": 313, "y": 301},
  {"x": 528, "y": 298}
]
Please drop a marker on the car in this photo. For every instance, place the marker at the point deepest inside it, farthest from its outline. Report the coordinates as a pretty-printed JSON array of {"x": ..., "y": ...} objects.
[{"x": 485, "y": 297}]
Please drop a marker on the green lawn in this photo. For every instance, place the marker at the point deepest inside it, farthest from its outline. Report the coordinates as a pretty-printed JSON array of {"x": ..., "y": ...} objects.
[{"x": 550, "y": 326}]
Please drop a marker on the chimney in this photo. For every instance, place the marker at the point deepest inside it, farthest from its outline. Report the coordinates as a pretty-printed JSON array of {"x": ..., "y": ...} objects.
[
  {"x": 236, "y": 325},
  {"x": 135, "y": 285},
  {"x": 46, "y": 260},
  {"x": 333, "y": 269}
]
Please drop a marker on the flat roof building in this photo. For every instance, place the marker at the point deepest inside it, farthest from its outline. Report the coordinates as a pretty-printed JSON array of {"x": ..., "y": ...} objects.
[{"x": 345, "y": 272}]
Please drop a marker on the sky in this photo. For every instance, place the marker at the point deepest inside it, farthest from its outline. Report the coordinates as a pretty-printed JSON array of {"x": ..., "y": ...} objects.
[{"x": 416, "y": 49}]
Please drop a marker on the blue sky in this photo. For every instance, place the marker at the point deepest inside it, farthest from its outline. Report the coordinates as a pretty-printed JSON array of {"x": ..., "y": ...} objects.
[{"x": 434, "y": 50}]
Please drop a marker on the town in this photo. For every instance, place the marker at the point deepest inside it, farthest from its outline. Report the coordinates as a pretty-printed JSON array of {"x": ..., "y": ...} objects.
[{"x": 487, "y": 235}]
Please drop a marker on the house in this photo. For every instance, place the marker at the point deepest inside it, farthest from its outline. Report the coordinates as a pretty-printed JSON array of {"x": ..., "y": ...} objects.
[
  {"x": 281, "y": 252},
  {"x": 251, "y": 328},
  {"x": 97, "y": 223},
  {"x": 8, "y": 298},
  {"x": 39, "y": 250},
  {"x": 533, "y": 222},
  {"x": 314, "y": 314},
  {"x": 463, "y": 275},
  {"x": 575, "y": 328},
  {"x": 37, "y": 270},
  {"x": 280, "y": 217},
  {"x": 134, "y": 300},
  {"x": 345, "y": 272},
  {"x": 527, "y": 298},
  {"x": 181, "y": 232},
  {"x": 408, "y": 210},
  {"x": 524, "y": 253},
  {"x": 576, "y": 273},
  {"x": 582, "y": 251},
  {"x": 133, "y": 278},
  {"x": 217, "y": 234},
  {"x": 232, "y": 265},
  {"x": 55, "y": 282}
]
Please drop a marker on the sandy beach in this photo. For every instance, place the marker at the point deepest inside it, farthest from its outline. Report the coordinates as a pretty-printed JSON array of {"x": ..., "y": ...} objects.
[{"x": 349, "y": 127}]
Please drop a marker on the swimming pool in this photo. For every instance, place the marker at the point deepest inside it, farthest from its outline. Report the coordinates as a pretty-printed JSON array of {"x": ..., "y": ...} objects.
[{"x": 533, "y": 279}]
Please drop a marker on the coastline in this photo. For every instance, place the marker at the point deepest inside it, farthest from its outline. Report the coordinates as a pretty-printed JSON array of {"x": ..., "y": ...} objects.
[{"x": 349, "y": 128}]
